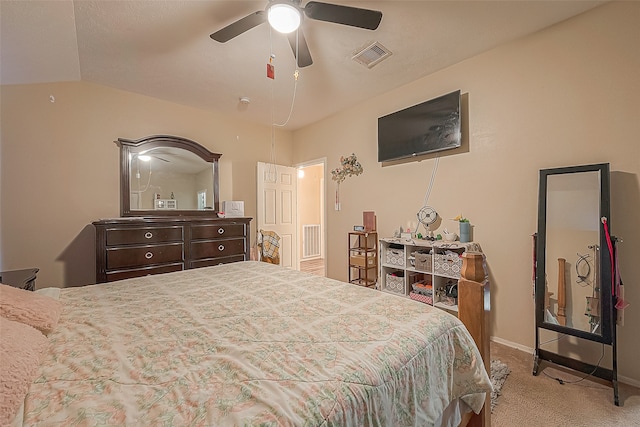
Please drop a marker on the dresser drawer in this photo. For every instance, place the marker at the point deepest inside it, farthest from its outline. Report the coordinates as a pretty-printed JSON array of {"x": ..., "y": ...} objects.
[
  {"x": 216, "y": 248},
  {"x": 143, "y": 235},
  {"x": 145, "y": 271},
  {"x": 214, "y": 231},
  {"x": 135, "y": 256},
  {"x": 208, "y": 262}
]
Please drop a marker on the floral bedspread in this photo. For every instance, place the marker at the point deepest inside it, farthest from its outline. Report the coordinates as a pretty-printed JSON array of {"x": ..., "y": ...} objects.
[{"x": 249, "y": 344}]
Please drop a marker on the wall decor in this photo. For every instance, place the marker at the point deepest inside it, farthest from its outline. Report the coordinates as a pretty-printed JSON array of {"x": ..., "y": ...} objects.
[{"x": 349, "y": 166}]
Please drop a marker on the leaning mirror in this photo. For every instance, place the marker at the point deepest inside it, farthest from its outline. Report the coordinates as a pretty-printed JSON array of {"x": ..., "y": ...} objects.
[
  {"x": 167, "y": 176},
  {"x": 573, "y": 269},
  {"x": 575, "y": 254}
]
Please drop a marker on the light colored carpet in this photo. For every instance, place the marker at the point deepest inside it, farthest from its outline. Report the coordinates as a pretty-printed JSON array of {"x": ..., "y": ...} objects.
[
  {"x": 499, "y": 373},
  {"x": 533, "y": 401}
]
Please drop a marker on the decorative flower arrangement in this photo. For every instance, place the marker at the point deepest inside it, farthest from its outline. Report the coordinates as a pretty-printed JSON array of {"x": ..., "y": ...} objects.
[
  {"x": 350, "y": 167},
  {"x": 460, "y": 218},
  {"x": 465, "y": 228}
]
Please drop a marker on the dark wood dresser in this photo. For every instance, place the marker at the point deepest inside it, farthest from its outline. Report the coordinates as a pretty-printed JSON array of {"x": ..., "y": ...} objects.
[{"x": 137, "y": 246}]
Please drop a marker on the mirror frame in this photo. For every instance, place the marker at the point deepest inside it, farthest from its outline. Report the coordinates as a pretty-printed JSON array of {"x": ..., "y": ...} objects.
[
  {"x": 129, "y": 146},
  {"x": 608, "y": 310}
]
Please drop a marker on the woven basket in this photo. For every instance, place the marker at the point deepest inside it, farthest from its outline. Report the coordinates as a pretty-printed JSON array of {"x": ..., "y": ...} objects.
[{"x": 423, "y": 262}]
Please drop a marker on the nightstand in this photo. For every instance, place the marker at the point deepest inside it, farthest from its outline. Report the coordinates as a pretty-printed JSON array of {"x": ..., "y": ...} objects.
[{"x": 23, "y": 279}]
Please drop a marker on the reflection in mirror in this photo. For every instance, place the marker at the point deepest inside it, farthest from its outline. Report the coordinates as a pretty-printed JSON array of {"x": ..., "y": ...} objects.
[
  {"x": 170, "y": 178},
  {"x": 572, "y": 251},
  {"x": 167, "y": 176}
]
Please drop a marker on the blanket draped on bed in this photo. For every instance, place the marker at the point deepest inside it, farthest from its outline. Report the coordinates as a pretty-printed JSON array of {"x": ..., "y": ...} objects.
[{"x": 251, "y": 344}]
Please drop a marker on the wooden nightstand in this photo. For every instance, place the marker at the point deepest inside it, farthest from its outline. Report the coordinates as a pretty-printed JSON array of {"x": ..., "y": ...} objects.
[{"x": 23, "y": 279}]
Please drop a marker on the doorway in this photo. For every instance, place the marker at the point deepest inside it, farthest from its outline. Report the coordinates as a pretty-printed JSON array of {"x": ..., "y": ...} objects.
[{"x": 311, "y": 217}]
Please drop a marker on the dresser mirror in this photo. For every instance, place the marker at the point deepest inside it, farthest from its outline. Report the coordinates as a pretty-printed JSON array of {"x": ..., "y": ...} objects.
[
  {"x": 573, "y": 280},
  {"x": 167, "y": 176}
]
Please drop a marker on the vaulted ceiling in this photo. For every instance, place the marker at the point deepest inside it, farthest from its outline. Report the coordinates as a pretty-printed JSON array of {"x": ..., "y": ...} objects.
[{"x": 162, "y": 49}]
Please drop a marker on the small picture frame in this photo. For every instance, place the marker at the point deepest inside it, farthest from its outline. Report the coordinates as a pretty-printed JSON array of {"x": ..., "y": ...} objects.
[
  {"x": 369, "y": 220},
  {"x": 358, "y": 228}
]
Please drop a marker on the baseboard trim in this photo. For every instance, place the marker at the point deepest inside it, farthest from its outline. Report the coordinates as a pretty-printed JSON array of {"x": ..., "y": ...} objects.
[
  {"x": 622, "y": 379},
  {"x": 512, "y": 345},
  {"x": 628, "y": 381}
]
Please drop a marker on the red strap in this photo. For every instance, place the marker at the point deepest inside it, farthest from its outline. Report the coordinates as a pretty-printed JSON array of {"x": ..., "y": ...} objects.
[
  {"x": 534, "y": 262},
  {"x": 610, "y": 245}
]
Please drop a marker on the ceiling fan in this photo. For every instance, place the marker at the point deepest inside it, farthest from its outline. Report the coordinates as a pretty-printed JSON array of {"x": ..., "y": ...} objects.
[{"x": 286, "y": 16}]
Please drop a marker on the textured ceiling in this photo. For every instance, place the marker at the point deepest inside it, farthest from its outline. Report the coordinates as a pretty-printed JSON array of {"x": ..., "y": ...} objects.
[{"x": 162, "y": 49}]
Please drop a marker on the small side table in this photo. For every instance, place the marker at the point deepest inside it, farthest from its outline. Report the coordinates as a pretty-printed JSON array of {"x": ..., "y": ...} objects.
[{"x": 23, "y": 279}]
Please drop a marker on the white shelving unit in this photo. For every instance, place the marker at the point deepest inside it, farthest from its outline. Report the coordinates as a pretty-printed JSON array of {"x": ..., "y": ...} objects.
[{"x": 404, "y": 263}]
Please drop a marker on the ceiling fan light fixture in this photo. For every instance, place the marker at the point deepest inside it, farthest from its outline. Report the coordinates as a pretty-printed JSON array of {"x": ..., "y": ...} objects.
[{"x": 284, "y": 17}]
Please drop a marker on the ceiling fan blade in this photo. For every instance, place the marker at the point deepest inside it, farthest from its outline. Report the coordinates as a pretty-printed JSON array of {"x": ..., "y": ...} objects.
[
  {"x": 304, "y": 56},
  {"x": 345, "y": 15},
  {"x": 239, "y": 27}
]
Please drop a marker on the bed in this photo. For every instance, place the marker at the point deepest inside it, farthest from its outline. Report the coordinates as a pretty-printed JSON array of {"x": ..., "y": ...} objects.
[{"x": 252, "y": 343}]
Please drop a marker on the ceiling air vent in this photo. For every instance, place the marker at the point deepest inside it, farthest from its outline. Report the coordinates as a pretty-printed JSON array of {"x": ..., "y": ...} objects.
[{"x": 372, "y": 55}]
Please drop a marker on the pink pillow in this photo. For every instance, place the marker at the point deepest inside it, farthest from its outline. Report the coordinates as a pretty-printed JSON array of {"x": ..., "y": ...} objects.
[
  {"x": 40, "y": 311},
  {"x": 21, "y": 351}
]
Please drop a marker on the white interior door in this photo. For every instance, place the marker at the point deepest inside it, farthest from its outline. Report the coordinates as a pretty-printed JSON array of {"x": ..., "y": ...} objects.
[{"x": 276, "y": 210}]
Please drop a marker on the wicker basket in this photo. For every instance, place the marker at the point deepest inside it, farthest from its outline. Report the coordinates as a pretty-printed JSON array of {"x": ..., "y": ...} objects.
[{"x": 423, "y": 262}]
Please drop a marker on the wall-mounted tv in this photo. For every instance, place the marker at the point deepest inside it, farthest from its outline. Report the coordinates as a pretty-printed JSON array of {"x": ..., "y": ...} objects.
[{"x": 428, "y": 127}]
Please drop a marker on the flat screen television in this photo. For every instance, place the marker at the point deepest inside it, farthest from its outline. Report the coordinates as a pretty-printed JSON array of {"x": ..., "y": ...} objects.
[{"x": 428, "y": 127}]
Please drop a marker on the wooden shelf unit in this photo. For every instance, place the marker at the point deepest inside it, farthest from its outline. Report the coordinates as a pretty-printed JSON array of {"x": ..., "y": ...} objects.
[{"x": 363, "y": 258}]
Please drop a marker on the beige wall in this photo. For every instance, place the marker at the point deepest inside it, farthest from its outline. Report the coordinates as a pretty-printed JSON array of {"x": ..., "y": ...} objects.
[
  {"x": 565, "y": 96},
  {"x": 60, "y": 167}
]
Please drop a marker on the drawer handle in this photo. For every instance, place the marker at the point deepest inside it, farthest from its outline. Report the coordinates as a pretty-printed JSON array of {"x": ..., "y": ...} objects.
[
  {"x": 148, "y": 255},
  {"x": 148, "y": 234},
  {"x": 221, "y": 248},
  {"x": 220, "y": 230}
]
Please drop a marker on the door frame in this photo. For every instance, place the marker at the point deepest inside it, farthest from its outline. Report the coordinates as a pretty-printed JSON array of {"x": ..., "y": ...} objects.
[{"x": 323, "y": 211}]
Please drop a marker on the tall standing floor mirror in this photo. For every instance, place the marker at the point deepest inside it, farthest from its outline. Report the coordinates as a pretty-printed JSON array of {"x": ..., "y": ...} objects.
[{"x": 573, "y": 267}]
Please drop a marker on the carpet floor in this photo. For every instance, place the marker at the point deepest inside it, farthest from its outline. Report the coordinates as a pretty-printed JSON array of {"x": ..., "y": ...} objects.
[{"x": 533, "y": 401}]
